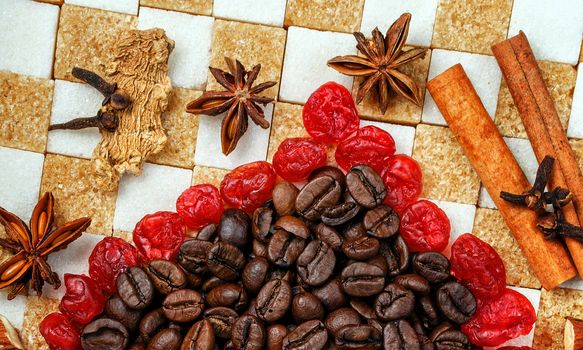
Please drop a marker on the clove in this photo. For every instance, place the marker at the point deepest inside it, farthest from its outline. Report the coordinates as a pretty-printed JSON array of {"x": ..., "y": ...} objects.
[
  {"x": 534, "y": 198},
  {"x": 103, "y": 120},
  {"x": 554, "y": 225},
  {"x": 115, "y": 97}
]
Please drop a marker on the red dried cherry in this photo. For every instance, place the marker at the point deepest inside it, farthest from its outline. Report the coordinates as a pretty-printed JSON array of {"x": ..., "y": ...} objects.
[
  {"x": 425, "y": 227},
  {"x": 370, "y": 146},
  {"x": 59, "y": 332},
  {"x": 297, "y": 157},
  {"x": 330, "y": 114},
  {"x": 248, "y": 186},
  {"x": 83, "y": 300},
  {"x": 479, "y": 267},
  {"x": 108, "y": 259},
  {"x": 159, "y": 236},
  {"x": 404, "y": 181},
  {"x": 507, "y": 317},
  {"x": 200, "y": 205}
]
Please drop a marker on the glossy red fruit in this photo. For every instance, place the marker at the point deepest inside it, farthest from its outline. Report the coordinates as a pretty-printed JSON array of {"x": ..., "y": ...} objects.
[
  {"x": 479, "y": 267},
  {"x": 425, "y": 227},
  {"x": 515, "y": 348},
  {"x": 370, "y": 146},
  {"x": 200, "y": 205},
  {"x": 507, "y": 317},
  {"x": 297, "y": 157},
  {"x": 59, "y": 332},
  {"x": 330, "y": 114},
  {"x": 83, "y": 299},
  {"x": 404, "y": 181},
  {"x": 109, "y": 258},
  {"x": 159, "y": 236},
  {"x": 248, "y": 186}
]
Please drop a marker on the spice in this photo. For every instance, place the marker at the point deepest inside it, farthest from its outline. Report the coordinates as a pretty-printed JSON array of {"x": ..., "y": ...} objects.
[
  {"x": 533, "y": 198},
  {"x": 32, "y": 245},
  {"x": 240, "y": 101},
  {"x": 383, "y": 55},
  {"x": 573, "y": 336},
  {"x": 9, "y": 338}
]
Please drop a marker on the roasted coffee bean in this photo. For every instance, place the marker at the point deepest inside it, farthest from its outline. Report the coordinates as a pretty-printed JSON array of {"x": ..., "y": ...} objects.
[
  {"x": 381, "y": 222},
  {"x": 414, "y": 283},
  {"x": 361, "y": 248},
  {"x": 433, "y": 266},
  {"x": 316, "y": 263},
  {"x": 166, "y": 339},
  {"x": 317, "y": 195},
  {"x": 255, "y": 274},
  {"x": 116, "y": 309},
  {"x": 135, "y": 288},
  {"x": 247, "y": 333},
  {"x": 166, "y": 276},
  {"x": 259, "y": 249},
  {"x": 329, "y": 235},
  {"x": 365, "y": 186},
  {"x": 275, "y": 335},
  {"x": 426, "y": 344},
  {"x": 210, "y": 283},
  {"x": 451, "y": 340},
  {"x": 151, "y": 323},
  {"x": 361, "y": 279},
  {"x": 273, "y": 300},
  {"x": 427, "y": 312},
  {"x": 340, "y": 213},
  {"x": 376, "y": 324},
  {"x": 208, "y": 233},
  {"x": 193, "y": 254},
  {"x": 394, "y": 302},
  {"x": 283, "y": 274},
  {"x": 284, "y": 198},
  {"x": 138, "y": 345},
  {"x": 261, "y": 223},
  {"x": 234, "y": 227},
  {"x": 221, "y": 318},
  {"x": 225, "y": 261},
  {"x": 331, "y": 294},
  {"x": 353, "y": 230},
  {"x": 363, "y": 336},
  {"x": 229, "y": 295},
  {"x": 456, "y": 302},
  {"x": 183, "y": 305},
  {"x": 284, "y": 248},
  {"x": 379, "y": 261},
  {"x": 193, "y": 280},
  {"x": 400, "y": 335},
  {"x": 310, "y": 335},
  {"x": 306, "y": 306},
  {"x": 362, "y": 308},
  {"x": 105, "y": 333},
  {"x": 341, "y": 317},
  {"x": 200, "y": 336},
  {"x": 331, "y": 171},
  {"x": 396, "y": 254},
  {"x": 292, "y": 225}
]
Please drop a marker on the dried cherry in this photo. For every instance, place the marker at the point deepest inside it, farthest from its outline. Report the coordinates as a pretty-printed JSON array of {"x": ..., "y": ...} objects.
[
  {"x": 159, "y": 236},
  {"x": 83, "y": 299},
  {"x": 330, "y": 114},
  {"x": 370, "y": 146},
  {"x": 507, "y": 317},
  {"x": 479, "y": 267},
  {"x": 404, "y": 181},
  {"x": 200, "y": 205},
  {"x": 425, "y": 227},
  {"x": 109, "y": 258},
  {"x": 59, "y": 332},
  {"x": 248, "y": 186},
  {"x": 297, "y": 157}
]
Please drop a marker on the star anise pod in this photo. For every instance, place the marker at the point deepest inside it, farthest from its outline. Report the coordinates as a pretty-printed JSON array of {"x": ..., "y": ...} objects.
[
  {"x": 240, "y": 101},
  {"x": 382, "y": 57},
  {"x": 32, "y": 245}
]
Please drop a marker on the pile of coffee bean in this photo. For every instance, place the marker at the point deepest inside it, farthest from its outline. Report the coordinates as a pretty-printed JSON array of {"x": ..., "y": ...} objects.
[{"x": 322, "y": 267}]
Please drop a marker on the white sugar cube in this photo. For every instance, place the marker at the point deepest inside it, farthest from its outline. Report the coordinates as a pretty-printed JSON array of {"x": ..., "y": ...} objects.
[
  {"x": 123, "y": 6},
  {"x": 269, "y": 12}
]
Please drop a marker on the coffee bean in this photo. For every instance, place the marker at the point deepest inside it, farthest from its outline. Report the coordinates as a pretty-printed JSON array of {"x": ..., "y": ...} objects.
[
  {"x": 116, "y": 309},
  {"x": 340, "y": 213},
  {"x": 282, "y": 274},
  {"x": 341, "y": 317},
  {"x": 381, "y": 262},
  {"x": 456, "y": 302},
  {"x": 183, "y": 305},
  {"x": 135, "y": 288},
  {"x": 151, "y": 323},
  {"x": 428, "y": 312},
  {"x": 331, "y": 171},
  {"x": 210, "y": 283},
  {"x": 316, "y": 263},
  {"x": 433, "y": 266},
  {"x": 284, "y": 198},
  {"x": 306, "y": 306},
  {"x": 221, "y": 318},
  {"x": 361, "y": 248},
  {"x": 381, "y": 222},
  {"x": 229, "y": 295},
  {"x": 308, "y": 335},
  {"x": 329, "y": 235},
  {"x": 292, "y": 225},
  {"x": 208, "y": 233},
  {"x": 400, "y": 335},
  {"x": 273, "y": 300},
  {"x": 414, "y": 283},
  {"x": 394, "y": 302},
  {"x": 426, "y": 344},
  {"x": 331, "y": 294},
  {"x": 361, "y": 336},
  {"x": 166, "y": 276},
  {"x": 166, "y": 339},
  {"x": 193, "y": 280},
  {"x": 225, "y": 261},
  {"x": 361, "y": 279},
  {"x": 192, "y": 255},
  {"x": 200, "y": 336},
  {"x": 365, "y": 186},
  {"x": 247, "y": 333},
  {"x": 255, "y": 274},
  {"x": 104, "y": 333},
  {"x": 397, "y": 256},
  {"x": 275, "y": 335},
  {"x": 138, "y": 345},
  {"x": 363, "y": 308},
  {"x": 317, "y": 195},
  {"x": 376, "y": 324},
  {"x": 259, "y": 249},
  {"x": 353, "y": 230},
  {"x": 234, "y": 227},
  {"x": 284, "y": 248},
  {"x": 451, "y": 340},
  {"x": 261, "y": 223}
]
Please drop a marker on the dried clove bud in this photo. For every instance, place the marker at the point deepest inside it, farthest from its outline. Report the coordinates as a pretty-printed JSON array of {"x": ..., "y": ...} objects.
[
  {"x": 558, "y": 196},
  {"x": 554, "y": 225},
  {"x": 103, "y": 120},
  {"x": 116, "y": 98},
  {"x": 533, "y": 198}
]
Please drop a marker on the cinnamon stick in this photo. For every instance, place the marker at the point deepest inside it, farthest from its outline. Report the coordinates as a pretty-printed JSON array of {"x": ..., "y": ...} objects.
[
  {"x": 496, "y": 166},
  {"x": 543, "y": 126}
]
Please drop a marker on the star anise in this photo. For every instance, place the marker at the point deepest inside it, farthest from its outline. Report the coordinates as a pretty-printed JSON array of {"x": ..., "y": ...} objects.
[
  {"x": 240, "y": 101},
  {"x": 31, "y": 246},
  {"x": 382, "y": 57}
]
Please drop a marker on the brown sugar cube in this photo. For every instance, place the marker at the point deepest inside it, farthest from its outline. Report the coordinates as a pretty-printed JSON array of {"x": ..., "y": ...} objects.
[
  {"x": 197, "y": 7},
  {"x": 286, "y": 123},
  {"x": 333, "y": 15},
  {"x": 36, "y": 310},
  {"x": 208, "y": 175},
  {"x": 555, "y": 306}
]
